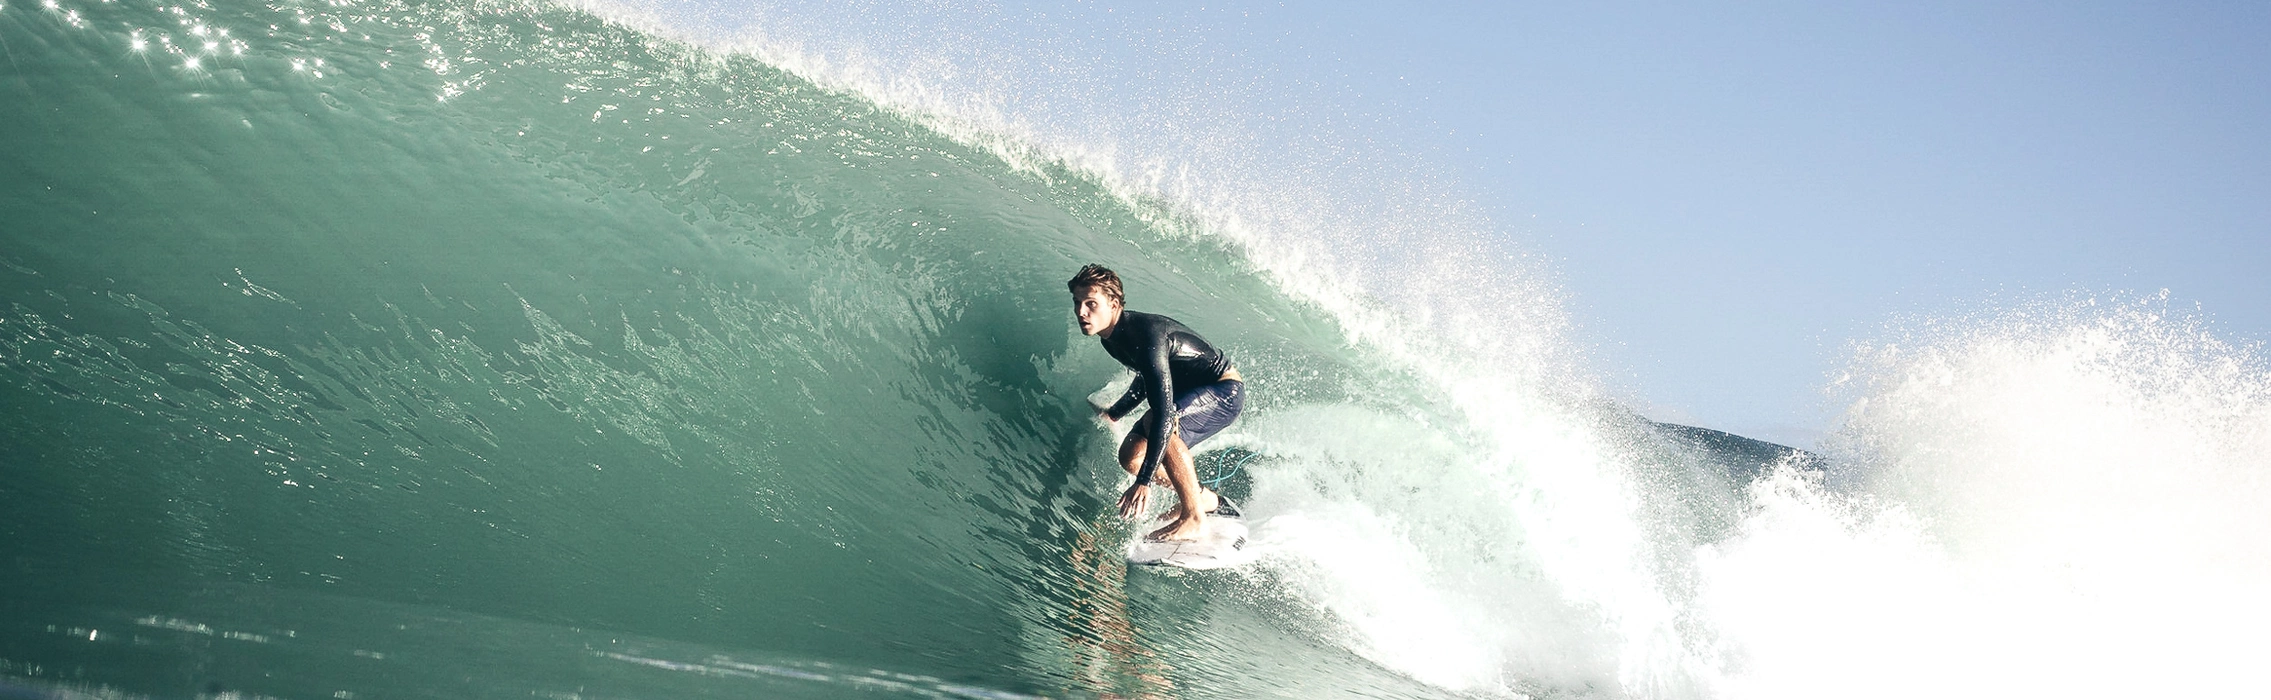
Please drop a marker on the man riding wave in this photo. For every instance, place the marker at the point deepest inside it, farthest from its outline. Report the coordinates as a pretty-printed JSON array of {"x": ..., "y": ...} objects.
[{"x": 1193, "y": 390}]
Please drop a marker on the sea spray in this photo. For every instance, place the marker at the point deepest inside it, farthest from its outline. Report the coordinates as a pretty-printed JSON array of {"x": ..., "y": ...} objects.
[{"x": 2064, "y": 500}]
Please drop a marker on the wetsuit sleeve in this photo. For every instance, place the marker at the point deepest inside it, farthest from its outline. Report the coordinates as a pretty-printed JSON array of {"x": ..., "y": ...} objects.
[
  {"x": 1161, "y": 382},
  {"x": 1127, "y": 401}
]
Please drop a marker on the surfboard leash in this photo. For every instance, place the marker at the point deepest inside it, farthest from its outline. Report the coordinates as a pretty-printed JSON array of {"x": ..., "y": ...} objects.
[{"x": 1221, "y": 475}]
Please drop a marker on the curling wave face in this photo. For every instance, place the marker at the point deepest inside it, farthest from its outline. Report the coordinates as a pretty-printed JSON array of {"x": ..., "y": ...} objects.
[
  {"x": 493, "y": 349},
  {"x": 365, "y": 316}
]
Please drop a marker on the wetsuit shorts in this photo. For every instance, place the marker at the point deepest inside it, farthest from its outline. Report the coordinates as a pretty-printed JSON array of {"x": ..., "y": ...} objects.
[{"x": 1205, "y": 410}]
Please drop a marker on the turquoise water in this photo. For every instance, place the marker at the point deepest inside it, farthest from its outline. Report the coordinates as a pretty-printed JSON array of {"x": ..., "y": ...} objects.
[
  {"x": 487, "y": 349},
  {"x": 366, "y": 349}
]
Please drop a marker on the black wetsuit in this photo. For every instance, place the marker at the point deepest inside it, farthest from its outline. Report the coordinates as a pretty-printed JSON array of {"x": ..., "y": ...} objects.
[{"x": 1168, "y": 358}]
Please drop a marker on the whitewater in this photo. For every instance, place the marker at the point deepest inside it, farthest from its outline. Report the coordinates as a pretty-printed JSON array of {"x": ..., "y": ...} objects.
[{"x": 363, "y": 349}]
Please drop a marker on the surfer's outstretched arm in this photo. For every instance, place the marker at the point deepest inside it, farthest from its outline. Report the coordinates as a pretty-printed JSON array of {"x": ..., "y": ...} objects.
[
  {"x": 1161, "y": 423},
  {"x": 1162, "y": 418}
]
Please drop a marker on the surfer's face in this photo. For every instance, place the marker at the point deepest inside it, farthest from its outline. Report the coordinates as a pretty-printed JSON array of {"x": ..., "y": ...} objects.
[{"x": 1095, "y": 311}]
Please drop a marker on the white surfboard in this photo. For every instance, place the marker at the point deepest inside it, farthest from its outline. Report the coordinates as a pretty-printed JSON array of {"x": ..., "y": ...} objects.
[{"x": 1223, "y": 543}]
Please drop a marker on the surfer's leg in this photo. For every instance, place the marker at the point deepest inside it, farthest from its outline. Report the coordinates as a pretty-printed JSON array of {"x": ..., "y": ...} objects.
[
  {"x": 1205, "y": 411},
  {"x": 1131, "y": 459},
  {"x": 1131, "y": 453},
  {"x": 1192, "y": 499},
  {"x": 1208, "y": 500}
]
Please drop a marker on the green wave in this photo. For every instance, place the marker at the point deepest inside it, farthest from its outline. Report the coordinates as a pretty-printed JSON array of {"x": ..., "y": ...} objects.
[{"x": 369, "y": 315}]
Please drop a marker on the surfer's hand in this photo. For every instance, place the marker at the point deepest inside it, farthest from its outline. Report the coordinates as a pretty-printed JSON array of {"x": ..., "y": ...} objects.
[
  {"x": 1132, "y": 502},
  {"x": 1105, "y": 416}
]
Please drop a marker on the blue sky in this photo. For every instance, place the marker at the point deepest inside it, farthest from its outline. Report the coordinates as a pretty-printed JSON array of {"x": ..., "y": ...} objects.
[
  {"x": 1737, "y": 193},
  {"x": 1732, "y": 195}
]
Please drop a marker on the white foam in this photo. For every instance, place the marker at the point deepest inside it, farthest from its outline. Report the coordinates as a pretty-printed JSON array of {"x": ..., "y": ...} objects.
[
  {"x": 1472, "y": 569},
  {"x": 2066, "y": 501}
]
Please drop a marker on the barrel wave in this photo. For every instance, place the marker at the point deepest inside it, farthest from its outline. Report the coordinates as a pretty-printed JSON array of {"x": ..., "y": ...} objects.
[
  {"x": 334, "y": 325},
  {"x": 380, "y": 348}
]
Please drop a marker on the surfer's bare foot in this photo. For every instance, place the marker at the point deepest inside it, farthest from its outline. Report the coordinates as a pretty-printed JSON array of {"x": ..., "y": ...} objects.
[
  {"x": 1208, "y": 501},
  {"x": 1184, "y": 529}
]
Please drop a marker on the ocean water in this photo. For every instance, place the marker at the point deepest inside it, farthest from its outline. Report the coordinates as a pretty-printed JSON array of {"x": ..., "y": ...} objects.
[{"x": 493, "y": 349}]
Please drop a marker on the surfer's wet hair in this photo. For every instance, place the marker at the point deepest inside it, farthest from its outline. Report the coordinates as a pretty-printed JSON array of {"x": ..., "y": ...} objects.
[{"x": 1100, "y": 278}]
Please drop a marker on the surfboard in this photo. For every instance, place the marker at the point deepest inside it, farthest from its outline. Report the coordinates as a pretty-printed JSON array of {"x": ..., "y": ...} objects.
[{"x": 1222, "y": 544}]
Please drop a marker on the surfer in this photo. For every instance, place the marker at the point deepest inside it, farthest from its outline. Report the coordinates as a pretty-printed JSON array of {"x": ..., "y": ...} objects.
[{"x": 1193, "y": 391}]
